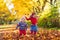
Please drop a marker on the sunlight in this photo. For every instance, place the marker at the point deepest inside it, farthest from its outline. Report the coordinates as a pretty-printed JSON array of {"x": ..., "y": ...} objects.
[
  {"x": 59, "y": 10},
  {"x": 10, "y": 6},
  {"x": 29, "y": 19}
]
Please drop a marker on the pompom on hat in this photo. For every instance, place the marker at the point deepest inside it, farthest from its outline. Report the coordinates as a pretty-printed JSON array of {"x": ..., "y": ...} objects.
[{"x": 33, "y": 13}]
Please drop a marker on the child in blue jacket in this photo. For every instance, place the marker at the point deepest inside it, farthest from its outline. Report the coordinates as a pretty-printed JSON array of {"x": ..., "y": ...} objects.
[{"x": 22, "y": 26}]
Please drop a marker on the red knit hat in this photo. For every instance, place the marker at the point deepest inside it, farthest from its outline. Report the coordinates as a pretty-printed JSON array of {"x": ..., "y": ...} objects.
[{"x": 33, "y": 13}]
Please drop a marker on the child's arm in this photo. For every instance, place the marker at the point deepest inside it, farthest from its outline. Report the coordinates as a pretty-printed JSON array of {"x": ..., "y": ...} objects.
[
  {"x": 17, "y": 26},
  {"x": 27, "y": 18},
  {"x": 26, "y": 26}
]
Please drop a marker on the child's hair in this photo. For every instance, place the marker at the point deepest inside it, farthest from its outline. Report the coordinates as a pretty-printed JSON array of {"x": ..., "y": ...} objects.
[
  {"x": 33, "y": 13},
  {"x": 23, "y": 18}
]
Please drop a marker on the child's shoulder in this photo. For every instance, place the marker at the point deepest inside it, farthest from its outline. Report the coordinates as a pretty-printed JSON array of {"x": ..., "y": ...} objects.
[
  {"x": 25, "y": 22},
  {"x": 19, "y": 22}
]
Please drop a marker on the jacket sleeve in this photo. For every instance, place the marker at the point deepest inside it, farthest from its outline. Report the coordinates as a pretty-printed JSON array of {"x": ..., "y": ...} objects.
[
  {"x": 27, "y": 18},
  {"x": 26, "y": 26},
  {"x": 18, "y": 25}
]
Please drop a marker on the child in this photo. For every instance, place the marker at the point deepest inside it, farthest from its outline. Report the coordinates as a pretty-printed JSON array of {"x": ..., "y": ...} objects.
[
  {"x": 22, "y": 26},
  {"x": 33, "y": 19}
]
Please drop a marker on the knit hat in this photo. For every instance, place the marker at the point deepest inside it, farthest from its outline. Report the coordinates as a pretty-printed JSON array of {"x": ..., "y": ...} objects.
[
  {"x": 23, "y": 18},
  {"x": 33, "y": 13}
]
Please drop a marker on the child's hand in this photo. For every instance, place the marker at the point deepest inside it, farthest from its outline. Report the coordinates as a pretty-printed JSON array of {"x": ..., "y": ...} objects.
[{"x": 16, "y": 28}]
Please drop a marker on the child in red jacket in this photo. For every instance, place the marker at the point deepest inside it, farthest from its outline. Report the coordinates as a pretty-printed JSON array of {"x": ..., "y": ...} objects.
[{"x": 33, "y": 19}]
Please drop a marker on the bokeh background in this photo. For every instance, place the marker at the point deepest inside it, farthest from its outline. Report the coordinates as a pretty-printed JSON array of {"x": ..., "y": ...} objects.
[{"x": 48, "y": 11}]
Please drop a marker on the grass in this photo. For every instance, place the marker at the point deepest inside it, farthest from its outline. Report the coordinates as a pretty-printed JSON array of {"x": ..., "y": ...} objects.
[{"x": 13, "y": 26}]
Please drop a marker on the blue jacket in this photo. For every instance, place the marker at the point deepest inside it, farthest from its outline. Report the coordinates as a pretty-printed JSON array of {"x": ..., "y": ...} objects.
[{"x": 22, "y": 25}]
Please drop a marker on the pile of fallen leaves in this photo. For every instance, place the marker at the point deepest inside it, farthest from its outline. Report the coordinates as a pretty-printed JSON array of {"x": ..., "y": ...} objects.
[{"x": 42, "y": 34}]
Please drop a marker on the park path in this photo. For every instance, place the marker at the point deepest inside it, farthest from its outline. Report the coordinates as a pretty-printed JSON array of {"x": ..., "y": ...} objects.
[
  {"x": 9, "y": 28},
  {"x": 12, "y": 28}
]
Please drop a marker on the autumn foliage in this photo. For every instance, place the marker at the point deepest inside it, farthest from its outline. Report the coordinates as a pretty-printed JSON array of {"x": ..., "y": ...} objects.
[{"x": 42, "y": 34}]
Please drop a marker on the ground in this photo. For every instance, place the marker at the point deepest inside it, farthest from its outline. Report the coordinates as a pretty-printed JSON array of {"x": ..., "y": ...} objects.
[{"x": 11, "y": 33}]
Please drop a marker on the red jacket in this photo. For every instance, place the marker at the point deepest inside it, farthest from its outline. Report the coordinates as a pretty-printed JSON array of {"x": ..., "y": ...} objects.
[{"x": 33, "y": 20}]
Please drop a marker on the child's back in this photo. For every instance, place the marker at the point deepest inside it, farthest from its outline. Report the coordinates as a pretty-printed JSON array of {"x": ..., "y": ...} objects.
[{"x": 22, "y": 25}]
